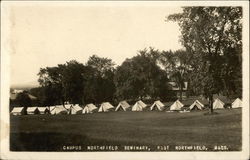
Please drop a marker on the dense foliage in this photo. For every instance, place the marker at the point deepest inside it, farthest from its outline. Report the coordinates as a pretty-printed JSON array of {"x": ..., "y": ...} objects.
[
  {"x": 141, "y": 77},
  {"x": 213, "y": 38}
]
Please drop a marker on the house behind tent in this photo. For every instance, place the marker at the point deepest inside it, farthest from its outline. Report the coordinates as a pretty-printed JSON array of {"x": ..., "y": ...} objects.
[{"x": 176, "y": 90}]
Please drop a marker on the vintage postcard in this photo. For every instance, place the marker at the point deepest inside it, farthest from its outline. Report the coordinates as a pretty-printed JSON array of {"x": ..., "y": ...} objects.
[{"x": 125, "y": 80}]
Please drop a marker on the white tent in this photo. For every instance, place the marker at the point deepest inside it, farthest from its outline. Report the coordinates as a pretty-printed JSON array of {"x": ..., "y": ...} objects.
[
  {"x": 142, "y": 104},
  {"x": 59, "y": 109},
  {"x": 139, "y": 106},
  {"x": 32, "y": 110},
  {"x": 105, "y": 107},
  {"x": 68, "y": 106},
  {"x": 74, "y": 109},
  {"x": 197, "y": 104},
  {"x": 176, "y": 106},
  {"x": 17, "y": 111},
  {"x": 237, "y": 103},
  {"x": 157, "y": 105},
  {"x": 51, "y": 108},
  {"x": 43, "y": 110},
  {"x": 123, "y": 105},
  {"x": 89, "y": 108},
  {"x": 218, "y": 104}
]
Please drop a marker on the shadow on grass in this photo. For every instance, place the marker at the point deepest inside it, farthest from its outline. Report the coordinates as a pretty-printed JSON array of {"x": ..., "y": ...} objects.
[
  {"x": 48, "y": 141},
  {"x": 43, "y": 141},
  {"x": 210, "y": 113}
]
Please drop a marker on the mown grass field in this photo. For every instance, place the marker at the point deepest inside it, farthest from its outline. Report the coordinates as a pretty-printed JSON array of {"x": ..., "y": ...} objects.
[{"x": 52, "y": 132}]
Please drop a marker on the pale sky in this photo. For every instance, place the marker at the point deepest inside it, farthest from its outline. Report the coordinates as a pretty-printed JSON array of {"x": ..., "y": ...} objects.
[{"x": 46, "y": 36}]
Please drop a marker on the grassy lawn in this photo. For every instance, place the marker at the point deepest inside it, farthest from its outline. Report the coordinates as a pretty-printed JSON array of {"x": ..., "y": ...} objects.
[{"x": 51, "y": 132}]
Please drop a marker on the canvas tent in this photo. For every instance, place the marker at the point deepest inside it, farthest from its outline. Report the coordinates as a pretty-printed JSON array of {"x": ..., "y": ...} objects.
[
  {"x": 123, "y": 105},
  {"x": 218, "y": 104},
  {"x": 58, "y": 109},
  {"x": 176, "y": 106},
  {"x": 68, "y": 106},
  {"x": 237, "y": 103},
  {"x": 43, "y": 110},
  {"x": 32, "y": 110},
  {"x": 105, "y": 107},
  {"x": 139, "y": 106},
  {"x": 17, "y": 111},
  {"x": 224, "y": 99},
  {"x": 196, "y": 105},
  {"x": 89, "y": 108},
  {"x": 75, "y": 109},
  {"x": 157, "y": 106}
]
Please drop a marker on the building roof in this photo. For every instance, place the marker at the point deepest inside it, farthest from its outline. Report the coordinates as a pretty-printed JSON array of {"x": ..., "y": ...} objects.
[{"x": 175, "y": 87}]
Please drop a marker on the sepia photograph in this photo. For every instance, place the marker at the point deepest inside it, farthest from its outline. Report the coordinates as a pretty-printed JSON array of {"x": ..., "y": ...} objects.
[{"x": 126, "y": 78}]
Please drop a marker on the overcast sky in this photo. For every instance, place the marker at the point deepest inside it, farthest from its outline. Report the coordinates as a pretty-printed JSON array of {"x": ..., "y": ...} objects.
[{"x": 49, "y": 35}]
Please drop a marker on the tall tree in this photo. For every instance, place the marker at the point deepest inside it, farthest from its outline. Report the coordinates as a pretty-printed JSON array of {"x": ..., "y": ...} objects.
[
  {"x": 176, "y": 64},
  {"x": 141, "y": 77},
  {"x": 101, "y": 82},
  {"x": 101, "y": 64},
  {"x": 62, "y": 83},
  {"x": 73, "y": 81},
  {"x": 208, "y": 33},
  {"x": 50, "y": 79},
  {"x": 23, "y": 99}
]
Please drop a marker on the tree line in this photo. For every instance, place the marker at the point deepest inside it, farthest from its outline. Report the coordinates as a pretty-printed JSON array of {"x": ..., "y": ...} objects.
[
  {"x": 98, "y": 80},
  {"x": 210, "y": 62}
]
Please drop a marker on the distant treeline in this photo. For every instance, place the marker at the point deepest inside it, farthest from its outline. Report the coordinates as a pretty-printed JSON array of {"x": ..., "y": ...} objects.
[{"x": 144, "y": 76}]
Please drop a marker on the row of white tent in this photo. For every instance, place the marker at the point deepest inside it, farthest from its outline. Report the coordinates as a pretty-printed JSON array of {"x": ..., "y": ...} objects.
[
  {"x": 123, "y": 105},
  {"x": 217, "y": 104}
]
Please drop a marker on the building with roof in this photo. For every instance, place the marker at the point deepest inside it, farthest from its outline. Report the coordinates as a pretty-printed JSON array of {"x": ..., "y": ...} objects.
[{"x": 177, "y": 91}]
